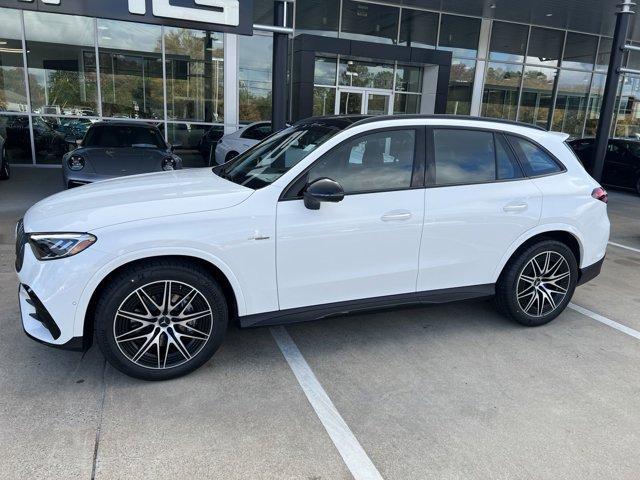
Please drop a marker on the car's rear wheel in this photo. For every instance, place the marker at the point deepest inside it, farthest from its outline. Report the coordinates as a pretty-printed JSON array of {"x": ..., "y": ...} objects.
[
  {"x": 161, "y": 319},
  {"x": 5, "y": 169},
  {"x": 538, "y": 283}
]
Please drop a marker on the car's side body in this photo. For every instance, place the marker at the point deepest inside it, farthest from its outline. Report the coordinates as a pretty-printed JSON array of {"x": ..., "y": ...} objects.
[
  {"x": 621, "y": 164},
  {"x": 240, "y": 141},
  {"x": 111, "y": 159},
  {"x": 283, "y": 262}
]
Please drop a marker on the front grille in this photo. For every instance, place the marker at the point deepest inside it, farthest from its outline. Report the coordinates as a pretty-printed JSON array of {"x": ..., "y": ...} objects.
[{"x": 21, "y": 241}]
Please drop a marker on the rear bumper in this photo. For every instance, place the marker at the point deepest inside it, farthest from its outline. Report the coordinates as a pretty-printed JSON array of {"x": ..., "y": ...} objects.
[{"x": 590, "y": 272}]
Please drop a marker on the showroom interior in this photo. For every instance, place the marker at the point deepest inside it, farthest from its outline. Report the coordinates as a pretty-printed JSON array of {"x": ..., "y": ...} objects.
[{"x": 544, "y": 65}]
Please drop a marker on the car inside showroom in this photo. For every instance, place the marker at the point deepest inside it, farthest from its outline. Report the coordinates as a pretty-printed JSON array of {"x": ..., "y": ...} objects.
[{"x": 319, "y": 239}]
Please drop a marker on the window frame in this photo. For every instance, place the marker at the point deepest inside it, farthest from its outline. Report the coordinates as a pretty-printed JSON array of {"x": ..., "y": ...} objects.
[
  {"x": 516, "y": 151},
  {"x": 431, "y": 159},
  {"x": 294, "y": 189}
]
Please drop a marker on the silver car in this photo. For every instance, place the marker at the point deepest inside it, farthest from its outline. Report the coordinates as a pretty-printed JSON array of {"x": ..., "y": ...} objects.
[
  {"x": 240, "y": 141},
  {"x": 115, "y": 149}
]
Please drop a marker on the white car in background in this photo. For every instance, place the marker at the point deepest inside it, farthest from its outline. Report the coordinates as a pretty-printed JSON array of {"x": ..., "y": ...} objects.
[
  {"x": 240, "y": 141},
  {"x": 331, "y": 215}
]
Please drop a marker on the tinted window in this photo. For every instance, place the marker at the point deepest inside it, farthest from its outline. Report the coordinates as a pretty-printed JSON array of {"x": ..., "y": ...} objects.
[
  {"x": 375, "y": 162},
  {"x": 468, "y": 156},
  {"x": 257, "y": 132},
  {"x": 535, "y": 161},
  {"x": 115, "y": 136},
  {"x": 266, "y": 162}
]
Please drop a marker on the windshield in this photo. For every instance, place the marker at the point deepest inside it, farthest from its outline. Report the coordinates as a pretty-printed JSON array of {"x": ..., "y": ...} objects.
[
  {"x": 118, "y": 136},
  {"x": 269, "y": 160}
]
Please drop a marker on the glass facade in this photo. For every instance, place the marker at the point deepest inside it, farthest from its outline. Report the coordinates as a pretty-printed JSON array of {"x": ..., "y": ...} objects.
[
  {"x": 60, "y": 73},
  {"x": 80, "y": 70}
]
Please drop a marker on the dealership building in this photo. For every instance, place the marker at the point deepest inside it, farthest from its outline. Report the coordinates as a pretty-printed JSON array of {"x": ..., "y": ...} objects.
[{"x": 198, "y": 68}]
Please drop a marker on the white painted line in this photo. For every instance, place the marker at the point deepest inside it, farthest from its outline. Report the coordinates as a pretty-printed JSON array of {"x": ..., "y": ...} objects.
[
  {"x": 354, "y": 456},
  {"x": 619, "y": 245},
  {"x": 607, "y": 321}
]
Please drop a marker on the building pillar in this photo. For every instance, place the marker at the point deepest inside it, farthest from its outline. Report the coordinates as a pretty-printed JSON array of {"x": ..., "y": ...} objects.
[
  {"x": 232, "y": 87},
  {"x": 279, "y": 75},
  {"x": 478, "y": 79},
  {"x": 611, "y": 88}
]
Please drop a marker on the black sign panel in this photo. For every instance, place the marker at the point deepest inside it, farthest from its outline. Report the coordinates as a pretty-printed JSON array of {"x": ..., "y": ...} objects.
[{"x": 233, "y": 16}]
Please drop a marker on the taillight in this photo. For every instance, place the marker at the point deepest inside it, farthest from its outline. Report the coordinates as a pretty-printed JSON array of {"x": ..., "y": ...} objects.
[{"x": 600, "y": 194}]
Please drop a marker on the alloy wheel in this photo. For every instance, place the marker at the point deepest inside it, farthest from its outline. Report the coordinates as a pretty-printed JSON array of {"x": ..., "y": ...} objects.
[
  {"x": 543, "y": 284},
  {"x": 163, "y": 324}
]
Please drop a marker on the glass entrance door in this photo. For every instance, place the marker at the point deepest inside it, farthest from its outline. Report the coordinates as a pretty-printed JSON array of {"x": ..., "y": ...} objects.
[{"x": 361, "y": 101}]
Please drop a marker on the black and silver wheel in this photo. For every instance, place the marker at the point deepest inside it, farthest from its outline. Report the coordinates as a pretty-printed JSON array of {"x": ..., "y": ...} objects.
[
  {"x": 537, "y": 284},
  {"x": 5, "y": 169},
  {"x": 161, "y": 320}
]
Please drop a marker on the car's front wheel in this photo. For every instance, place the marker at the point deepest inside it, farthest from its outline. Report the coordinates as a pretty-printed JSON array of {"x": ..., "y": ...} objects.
[
  {"x": 538, "y": 283},
  {"x": 161, "y": 319},
  {"x": 5, "y": 169}
]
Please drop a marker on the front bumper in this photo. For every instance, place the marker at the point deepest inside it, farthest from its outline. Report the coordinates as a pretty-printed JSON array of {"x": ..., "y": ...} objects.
[
  {"x": 50, "y": 294},
  {"x": 38, "y": 323}
]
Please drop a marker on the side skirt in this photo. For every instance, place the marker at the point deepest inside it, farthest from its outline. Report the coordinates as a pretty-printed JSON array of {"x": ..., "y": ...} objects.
[{"x": 316, "y": 312}]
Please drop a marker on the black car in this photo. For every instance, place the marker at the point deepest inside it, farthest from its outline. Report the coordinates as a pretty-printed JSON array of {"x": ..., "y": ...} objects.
[
  {"x": 5, "y": 171},
  {"x": 621, "y": 163}
]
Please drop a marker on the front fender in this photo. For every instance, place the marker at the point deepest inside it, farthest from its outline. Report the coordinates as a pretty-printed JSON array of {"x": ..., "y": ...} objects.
[{"x": 141, "y": 254}]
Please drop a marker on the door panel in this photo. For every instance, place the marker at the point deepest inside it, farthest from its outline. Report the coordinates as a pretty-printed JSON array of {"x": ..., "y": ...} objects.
[
  {"x": 365, "y": 246},
  {"x": 468, "y": 228},
  {"x": 378, "y": 104},
  {"x": 350, "y": 103}
]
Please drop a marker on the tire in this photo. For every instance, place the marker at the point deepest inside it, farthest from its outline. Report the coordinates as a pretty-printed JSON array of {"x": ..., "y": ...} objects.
[
  {"x": 230, "y": 156},
  {"x": 154, "y": 344},
  {"x": 523, "y": 294},
  {"x": 5, "y": 169}
]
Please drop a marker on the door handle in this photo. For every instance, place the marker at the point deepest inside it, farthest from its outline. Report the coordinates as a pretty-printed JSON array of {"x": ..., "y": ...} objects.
[
  {"x": 396, "y": 216},
  {"x": 515, "y": 207}
]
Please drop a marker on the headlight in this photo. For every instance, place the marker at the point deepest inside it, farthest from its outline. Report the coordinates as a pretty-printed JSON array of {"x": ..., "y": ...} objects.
[
  {"x": 51, "y": 246},
  {"x": 168, "y": 163},
  {"x": 76, "y": 162}
]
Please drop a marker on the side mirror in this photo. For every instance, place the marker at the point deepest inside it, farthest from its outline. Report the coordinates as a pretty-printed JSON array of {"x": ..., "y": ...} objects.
[{"x": 322, "y": 190}]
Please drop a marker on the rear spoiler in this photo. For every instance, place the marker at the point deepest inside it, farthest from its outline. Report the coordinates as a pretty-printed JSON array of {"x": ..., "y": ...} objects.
[{"x": 560, "y": 136}]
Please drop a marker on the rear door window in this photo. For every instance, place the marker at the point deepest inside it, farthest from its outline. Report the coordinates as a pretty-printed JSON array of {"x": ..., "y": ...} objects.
[
  {"x": 472, "y": 156},
  {"x": 535, "y": 160}
]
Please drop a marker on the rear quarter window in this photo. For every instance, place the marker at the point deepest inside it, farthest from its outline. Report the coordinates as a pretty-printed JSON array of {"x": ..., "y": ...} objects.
[{"x": 535, "y": 161}]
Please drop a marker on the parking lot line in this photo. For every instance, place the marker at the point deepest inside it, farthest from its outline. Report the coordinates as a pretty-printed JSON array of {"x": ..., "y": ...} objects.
[
  {"x": 354, "y": 456},
  {"x": 605, "y": 320},
  {"x": 619, "y": 245}
]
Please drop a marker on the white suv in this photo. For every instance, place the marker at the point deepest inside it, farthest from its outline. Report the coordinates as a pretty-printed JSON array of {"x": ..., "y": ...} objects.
[{"x": 329, "y": 216}]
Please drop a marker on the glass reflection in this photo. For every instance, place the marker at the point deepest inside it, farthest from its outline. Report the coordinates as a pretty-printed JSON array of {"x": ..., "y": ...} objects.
[
  {"x": 604, "y": 52},
  {"x": 537, "y": 87},
  {"x": 318, "y": 17},
  {"x": 130, "y": 69},
  {"x": 409, "y": 79},
  {"x": 13, "y": 94},
  {"x": 459, "y": 35},
  {"x": 545, "y": 46},
  {"x": 595, "y": 103},
  {"x": 418, "y": 28},
  {"x": 369, "y": 22},
  {"x": 324, "y": 100},
  {"x": 325, "y": 71},
  {"x": 194, "y": 143},
  {"x": 17, "y": 142},
  {"x": 406, "y": 103},
  {"x": 571, "y": 102},
  {"x": 62, "y": 64},
  {"x": 195, "y": 75},
  {"x": 254, "y": 75},
  {"x": 365, "y": 74},
  {"x": 579, "y": 51},
  {"x": 508, "y": 42},
  {"x": 501, "y": 89},
  {"x": 628, "y": 119},
  {"x": 50, "y": 143},
  {"x": 460, "y": 86}
]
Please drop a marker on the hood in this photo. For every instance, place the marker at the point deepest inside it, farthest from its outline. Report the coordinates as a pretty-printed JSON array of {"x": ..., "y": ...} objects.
[{"x": 138, "y": 197}]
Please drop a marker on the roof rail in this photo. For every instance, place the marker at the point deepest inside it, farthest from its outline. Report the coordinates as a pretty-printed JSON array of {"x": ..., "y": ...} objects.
[{"x": 380, "y": 118}]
